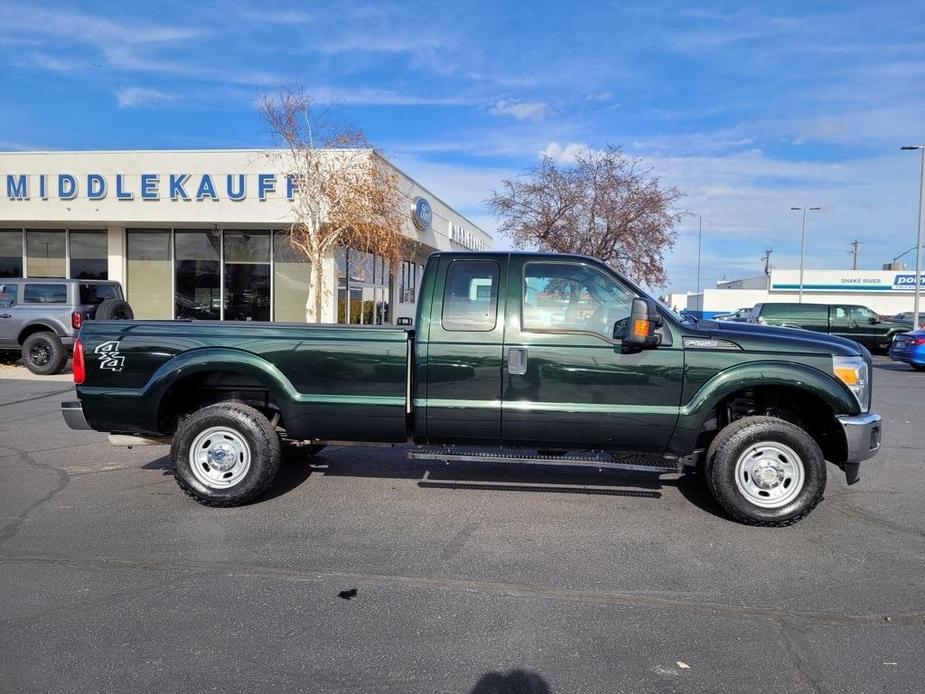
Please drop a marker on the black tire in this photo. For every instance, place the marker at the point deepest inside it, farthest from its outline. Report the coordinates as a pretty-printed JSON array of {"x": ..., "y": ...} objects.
[
  {"x": 43, "y": 353},
  {"x": 114, "y": 309},
  {"x": 918, "y": 367},
  {"x": 731, "y": 445},
  {"x": 298, "y": 450},
  {"x": 245, "y": 424}
]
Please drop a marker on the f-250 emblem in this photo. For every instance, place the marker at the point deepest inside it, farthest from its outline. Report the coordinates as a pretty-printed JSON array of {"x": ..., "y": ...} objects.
[{"x": 108, "y": 354}]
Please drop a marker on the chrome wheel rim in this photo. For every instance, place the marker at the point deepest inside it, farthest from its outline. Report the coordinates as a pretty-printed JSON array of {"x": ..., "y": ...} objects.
[
  {"x": 219, "y": 457},
  {"x": 769, "y": 474}
]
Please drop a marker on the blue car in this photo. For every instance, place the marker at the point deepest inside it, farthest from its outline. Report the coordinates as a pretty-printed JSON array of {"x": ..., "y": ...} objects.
[{"x": 910, "y": 348}]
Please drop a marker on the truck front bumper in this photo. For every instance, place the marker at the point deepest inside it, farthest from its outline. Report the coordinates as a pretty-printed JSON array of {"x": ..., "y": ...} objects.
[
  {"x": 73, "y": 413},
  {"x": 862, "y": 440}
]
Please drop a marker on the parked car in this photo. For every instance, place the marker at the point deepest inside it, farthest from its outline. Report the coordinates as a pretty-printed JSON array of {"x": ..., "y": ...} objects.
[
  {"x": 512, "y": 356},
  {"x": 850, "y": 321},
  {"x": 739, "y": 315},
  {"x": 910, "y": 348},
  {"x": 40, "y": 317},
  {"x": 906, "y": 319}
]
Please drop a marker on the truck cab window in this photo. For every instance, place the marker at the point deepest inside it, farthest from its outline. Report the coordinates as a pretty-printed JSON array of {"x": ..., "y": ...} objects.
[
  {"x": 572, "y": 297},
  {"x": 470, "y": 298}
]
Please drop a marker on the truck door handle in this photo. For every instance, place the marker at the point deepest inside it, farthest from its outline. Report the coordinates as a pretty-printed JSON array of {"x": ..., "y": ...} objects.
[
  {"x": 517, "y": 361},
  {"x": 5, "y": 315}
]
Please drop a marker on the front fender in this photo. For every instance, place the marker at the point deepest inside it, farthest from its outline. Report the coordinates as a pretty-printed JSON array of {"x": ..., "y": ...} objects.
[{"x": 693, "y": 415}]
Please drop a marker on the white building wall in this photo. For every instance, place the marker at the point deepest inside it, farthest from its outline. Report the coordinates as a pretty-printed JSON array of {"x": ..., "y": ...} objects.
[{"x": 886, "y": 292}]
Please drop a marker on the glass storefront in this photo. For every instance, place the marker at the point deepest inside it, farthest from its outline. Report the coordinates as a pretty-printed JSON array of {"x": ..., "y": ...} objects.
[
  {"x": 10, "y": 252},
  {"x": 291, "y": 279},
  {"x": 89, "y": 255},
  {"x": 150, "y": 273},
  {"x": 46, "y": 251},
  {"x": 247, "y": 275},
  {"x": 363, "y": 291},
  {"x": 77, "y": 253},
  {"x": 197, "y": 279}
]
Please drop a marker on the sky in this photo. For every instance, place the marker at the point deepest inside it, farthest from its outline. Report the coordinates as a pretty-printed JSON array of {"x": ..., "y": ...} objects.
[{"x": 749, "y": 108}]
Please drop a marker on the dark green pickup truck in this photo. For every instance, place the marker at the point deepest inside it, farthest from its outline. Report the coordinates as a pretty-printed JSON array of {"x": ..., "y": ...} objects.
[{"x": 514, "y": 357}]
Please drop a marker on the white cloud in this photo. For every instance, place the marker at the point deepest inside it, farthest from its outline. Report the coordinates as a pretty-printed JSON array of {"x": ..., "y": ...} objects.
[
  {"x": 564, "y": 154},
  {"x": 278, "y": 17},
  {"x": 142, "y": 97},
  {"x": 521, "y": 110}
]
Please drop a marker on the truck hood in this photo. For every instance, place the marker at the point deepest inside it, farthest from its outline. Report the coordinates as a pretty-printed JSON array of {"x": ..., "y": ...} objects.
[{"x": 774, "y": 339}]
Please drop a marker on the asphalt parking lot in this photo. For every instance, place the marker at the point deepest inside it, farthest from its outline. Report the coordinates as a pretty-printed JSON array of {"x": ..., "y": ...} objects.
[{"x": 467, "y": 579}]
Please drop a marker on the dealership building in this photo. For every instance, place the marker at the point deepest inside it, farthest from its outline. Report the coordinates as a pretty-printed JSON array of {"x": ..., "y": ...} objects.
[
  {"x": 886, "y": 292},
  {"x": 203, "y": 234}
]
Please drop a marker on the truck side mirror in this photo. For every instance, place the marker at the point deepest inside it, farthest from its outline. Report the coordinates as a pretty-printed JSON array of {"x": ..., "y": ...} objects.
[{"x": 638, "y": 331}]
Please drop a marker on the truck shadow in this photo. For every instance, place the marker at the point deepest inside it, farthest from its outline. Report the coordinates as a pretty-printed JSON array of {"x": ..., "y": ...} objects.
[{"x": 364, "y": 462}]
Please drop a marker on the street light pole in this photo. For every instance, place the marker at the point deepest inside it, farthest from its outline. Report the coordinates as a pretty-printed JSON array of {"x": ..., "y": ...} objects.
[
  {"x": 918, "y": 240},
  {"x": 699, "y": 245},
  {"x": 803, "y": 242}
]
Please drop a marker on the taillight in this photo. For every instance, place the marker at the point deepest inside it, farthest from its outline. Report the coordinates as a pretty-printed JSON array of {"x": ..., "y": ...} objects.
[
  {"x": 80, "y": 369},
  {"x": 76, "y": 319},
  {"x": 918, "y": 340}
]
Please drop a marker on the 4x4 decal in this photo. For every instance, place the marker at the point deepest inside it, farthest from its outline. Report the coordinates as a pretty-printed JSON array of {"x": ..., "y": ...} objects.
[{"x": 109, "y": 356}]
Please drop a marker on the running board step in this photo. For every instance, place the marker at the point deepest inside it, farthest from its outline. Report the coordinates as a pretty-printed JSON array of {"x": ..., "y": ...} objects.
[{"x": 567, "y": 461}]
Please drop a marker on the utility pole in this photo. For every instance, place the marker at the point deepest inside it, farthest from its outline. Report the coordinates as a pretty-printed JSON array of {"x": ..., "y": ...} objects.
[
  {"x": 854, "y": 252},
  {"x": 699, "y": 244},
  {"x": 766, "y": 259},
  {"x": 918, "y": 239}
]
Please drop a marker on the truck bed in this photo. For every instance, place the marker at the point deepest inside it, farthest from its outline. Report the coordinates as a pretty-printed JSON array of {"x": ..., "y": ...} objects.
[{"x": 330, "y": 381}]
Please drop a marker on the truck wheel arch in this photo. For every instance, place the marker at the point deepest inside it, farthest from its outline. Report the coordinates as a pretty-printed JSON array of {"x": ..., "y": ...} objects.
[
  {"x": 203, "y": 377},
  {"x": 39, "y": 327},
  {"x": 812, "y": 395}
]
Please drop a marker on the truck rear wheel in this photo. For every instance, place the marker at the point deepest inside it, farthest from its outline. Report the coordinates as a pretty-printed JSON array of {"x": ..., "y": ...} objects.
[
  {"x": 225, "y": 454},
  {"x": 44, "y": 354},
  {"x": 765, "y": 471}
]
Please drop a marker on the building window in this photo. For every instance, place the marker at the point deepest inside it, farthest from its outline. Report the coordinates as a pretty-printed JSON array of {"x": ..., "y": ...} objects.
[
  {"x": 407, "y": 290},
  {"x": 45, "y": 253},
  {"x": 89, "y": 255},
  {"x": 11, "y": 253},
  {"x": 197, "y": 273},
  {"x": 149, "y": 273},
  {"x": 363, "y": 292},
  {"x": 247, "y": 275},
  {"x": 291, "y": 279}
]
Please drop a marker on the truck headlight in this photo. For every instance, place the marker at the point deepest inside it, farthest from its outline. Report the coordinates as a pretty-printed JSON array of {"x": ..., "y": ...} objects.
[{"x": 853, "y": 372}]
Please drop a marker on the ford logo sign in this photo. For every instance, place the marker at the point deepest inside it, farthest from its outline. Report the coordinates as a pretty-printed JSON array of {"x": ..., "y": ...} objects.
[{"x": 422, "y": 214}]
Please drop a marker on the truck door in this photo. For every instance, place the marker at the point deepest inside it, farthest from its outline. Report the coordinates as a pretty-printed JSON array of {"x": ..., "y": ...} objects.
[
  {"x": 10, "y": 314},
  {"x": 566, "y": 381},
  {"x": 461, "y": 370}
]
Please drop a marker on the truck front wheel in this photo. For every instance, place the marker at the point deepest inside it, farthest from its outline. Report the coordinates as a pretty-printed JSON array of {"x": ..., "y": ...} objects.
[
  {"x": 225, "y": 454},
  {"x": 765, "y": 471}
]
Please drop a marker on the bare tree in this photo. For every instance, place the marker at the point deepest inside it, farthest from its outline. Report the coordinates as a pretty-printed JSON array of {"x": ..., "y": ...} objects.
[
  {"x": 345, "y": 194},
  {"x": 603, "y": 205}
]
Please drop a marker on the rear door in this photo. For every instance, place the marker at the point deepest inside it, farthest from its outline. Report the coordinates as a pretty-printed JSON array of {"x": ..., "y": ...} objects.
[
  {"x": 461, "y": 370},
  {"x": 10, "y": 313},
  {"x": 566, "y": 381}
]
